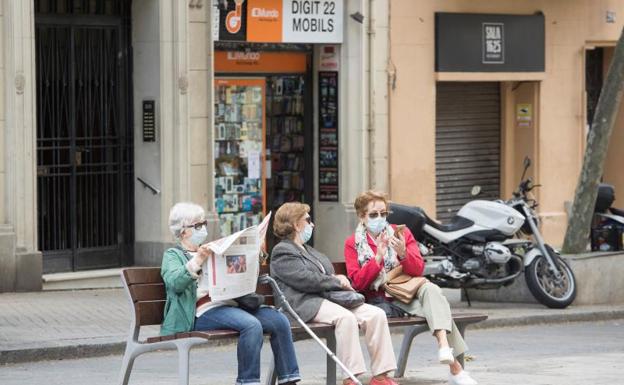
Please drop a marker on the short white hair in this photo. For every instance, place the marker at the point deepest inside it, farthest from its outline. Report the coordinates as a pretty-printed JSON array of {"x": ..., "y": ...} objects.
[{"x": 182, "y": 215}]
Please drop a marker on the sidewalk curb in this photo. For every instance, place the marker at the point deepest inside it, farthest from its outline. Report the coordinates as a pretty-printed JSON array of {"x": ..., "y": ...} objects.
[
  {"x": 603, "y": 315},
  {"x": 68, "y": 352}
]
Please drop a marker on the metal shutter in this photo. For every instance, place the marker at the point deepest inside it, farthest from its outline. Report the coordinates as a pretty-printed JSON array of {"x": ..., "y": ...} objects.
[{"x": 467, "y": 144}]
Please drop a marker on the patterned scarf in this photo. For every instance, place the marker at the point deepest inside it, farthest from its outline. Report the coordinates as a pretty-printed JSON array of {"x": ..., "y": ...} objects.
[{"x": 365, "y": 252}]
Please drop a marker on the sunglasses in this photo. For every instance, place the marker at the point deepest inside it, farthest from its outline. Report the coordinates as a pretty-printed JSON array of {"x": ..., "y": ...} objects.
[
  {"x": 375, "y": 214},
  {"x": 198, "y": 225},
  {"x": 309, "y": 220}
]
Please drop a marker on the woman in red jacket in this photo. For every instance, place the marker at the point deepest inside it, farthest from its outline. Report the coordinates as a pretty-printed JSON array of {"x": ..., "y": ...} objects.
[{"x": 372, "y": 251}]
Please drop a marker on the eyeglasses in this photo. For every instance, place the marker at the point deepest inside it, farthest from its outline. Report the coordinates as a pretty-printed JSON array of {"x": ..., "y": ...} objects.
[
  {"x": 197, "y": 225},
  {"x": 309, "y": 220},
  {"x": 375, "y": 214}
]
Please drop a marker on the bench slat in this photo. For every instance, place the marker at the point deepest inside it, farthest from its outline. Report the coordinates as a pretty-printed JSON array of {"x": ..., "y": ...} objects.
[
  {"x": 147, "y": 292},
  {"x": 149, "y": 312},
  {"x": 139, "y": 275},
  {"x": 264, "y": 289},
  {"x": 340, "y": 268}
]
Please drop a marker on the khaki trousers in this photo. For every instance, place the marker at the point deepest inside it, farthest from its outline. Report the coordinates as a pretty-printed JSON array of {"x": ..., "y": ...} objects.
[
  {"x": 373, "y": 322},
  {"x": 432, "y": 305}
]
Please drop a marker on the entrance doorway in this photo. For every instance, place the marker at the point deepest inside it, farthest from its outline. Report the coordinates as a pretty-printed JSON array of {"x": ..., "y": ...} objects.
[
  {"x": 84, "y": 134},
  {"x": 263, "y": 109},
  {"x": 597, "y": 63},
  {"x": 468, "y": 142}
]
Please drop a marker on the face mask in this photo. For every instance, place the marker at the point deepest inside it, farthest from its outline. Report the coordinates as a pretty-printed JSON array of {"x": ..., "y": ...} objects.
[
  {"x": 198, "y": 236},
  {"x": 306, "y": 234},
  {"x": 376, "y": 225}
]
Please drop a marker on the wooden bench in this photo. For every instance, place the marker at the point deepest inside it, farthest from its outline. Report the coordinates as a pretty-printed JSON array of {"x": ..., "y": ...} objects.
[
  {"x": 417, "y": 325},
  {"x": 146, "y": 292}
]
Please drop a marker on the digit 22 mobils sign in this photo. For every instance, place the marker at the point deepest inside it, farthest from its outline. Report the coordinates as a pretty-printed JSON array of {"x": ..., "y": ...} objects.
[{"x": 281, "y": 21}]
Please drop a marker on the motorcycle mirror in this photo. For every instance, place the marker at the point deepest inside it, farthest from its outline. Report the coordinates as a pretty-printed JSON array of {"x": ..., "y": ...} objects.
[
  {"x": 527, "y": 163},
  {"x": 476, "y": 190}
]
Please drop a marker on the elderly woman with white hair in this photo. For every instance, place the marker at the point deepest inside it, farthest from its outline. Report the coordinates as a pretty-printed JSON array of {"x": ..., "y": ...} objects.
[{"x": 187, "y": 309}]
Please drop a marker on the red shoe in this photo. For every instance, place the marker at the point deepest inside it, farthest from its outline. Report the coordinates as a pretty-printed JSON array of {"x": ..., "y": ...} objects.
[{"x": 384, "y": 381}]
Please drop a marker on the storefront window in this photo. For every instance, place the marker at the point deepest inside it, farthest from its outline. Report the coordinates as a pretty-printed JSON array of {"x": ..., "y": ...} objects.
[{"x": 239, "y": 153}]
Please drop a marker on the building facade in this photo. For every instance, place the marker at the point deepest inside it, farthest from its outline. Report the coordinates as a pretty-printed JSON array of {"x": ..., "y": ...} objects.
[
  {"x": 114, "y": 110},
  {"x": 468, "y": 102}
]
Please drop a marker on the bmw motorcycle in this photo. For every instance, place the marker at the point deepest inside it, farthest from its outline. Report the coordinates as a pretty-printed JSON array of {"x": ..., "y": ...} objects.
[{"x": 488, "y": 244}]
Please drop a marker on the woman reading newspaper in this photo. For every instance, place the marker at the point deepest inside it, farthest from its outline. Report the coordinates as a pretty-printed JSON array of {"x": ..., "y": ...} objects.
[{"x": 187, "y": 309}]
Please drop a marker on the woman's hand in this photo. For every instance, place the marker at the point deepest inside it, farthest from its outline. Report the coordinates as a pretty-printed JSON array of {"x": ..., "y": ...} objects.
[
  {"x": 203, "y": 252},
  {"x": 344, "y": 282},
  {"x": 382, "y": 246},
  {"x": 398, "y": 244}
]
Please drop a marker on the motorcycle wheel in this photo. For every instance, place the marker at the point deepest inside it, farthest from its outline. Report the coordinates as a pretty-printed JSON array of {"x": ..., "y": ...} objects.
[{"x": 545, "y": 287}]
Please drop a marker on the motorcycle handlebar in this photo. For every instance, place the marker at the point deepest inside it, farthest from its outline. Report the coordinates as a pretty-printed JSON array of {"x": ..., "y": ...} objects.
[{"x": 524, "y": 187}]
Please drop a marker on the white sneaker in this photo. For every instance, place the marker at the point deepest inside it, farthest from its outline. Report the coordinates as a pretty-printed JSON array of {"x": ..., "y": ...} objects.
[
  {"x": 461, "y": 378},
  {"x": 445, "y": 355}
]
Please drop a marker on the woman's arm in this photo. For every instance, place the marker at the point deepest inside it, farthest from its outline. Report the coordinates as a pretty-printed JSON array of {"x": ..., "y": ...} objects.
[
  {"x": 175, "y": 272},
  {"x": 293, "y": 271},
  {"x": 413, "y": 263},
  {"x": 361, "y": 277}
]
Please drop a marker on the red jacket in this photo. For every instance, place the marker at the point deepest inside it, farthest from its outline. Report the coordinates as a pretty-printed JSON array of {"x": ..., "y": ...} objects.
[{"x": 362, "y": 277}]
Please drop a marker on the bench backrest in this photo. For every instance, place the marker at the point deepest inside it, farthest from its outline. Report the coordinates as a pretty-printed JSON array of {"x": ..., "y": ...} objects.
[
  {"x": 340, "y": 268},
  {"x": 147, "y": 292}
]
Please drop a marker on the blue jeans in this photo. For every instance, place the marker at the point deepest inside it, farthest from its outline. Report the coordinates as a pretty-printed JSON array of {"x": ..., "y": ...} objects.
[{"x": 251, "y": 326}]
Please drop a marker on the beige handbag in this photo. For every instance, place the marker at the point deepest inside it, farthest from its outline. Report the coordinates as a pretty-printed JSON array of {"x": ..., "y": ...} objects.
[{"x": 401, "y": 286}]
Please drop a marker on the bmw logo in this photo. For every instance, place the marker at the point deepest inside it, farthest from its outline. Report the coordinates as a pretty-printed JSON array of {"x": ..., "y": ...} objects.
[{"x": 510, "y": 220}]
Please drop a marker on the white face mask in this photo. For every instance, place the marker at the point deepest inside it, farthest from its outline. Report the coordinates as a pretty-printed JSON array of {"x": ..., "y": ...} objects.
[
  {"x": 198, "y": 236},
  {"x": 306, "y": 234},
  {"x": 376, "y": 225}
]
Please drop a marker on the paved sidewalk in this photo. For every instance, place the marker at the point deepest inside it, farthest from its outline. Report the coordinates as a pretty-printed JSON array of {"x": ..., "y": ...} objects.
[{"x": 82, "y": 323}]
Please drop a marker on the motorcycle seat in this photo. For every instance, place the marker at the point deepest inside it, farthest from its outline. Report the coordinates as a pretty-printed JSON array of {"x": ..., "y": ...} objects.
[
  {"x": 456, "y": 223},
  {"x": 615, "y": 211}
]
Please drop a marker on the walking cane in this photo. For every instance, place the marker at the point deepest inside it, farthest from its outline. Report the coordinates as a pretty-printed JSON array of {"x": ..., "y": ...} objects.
[{"x": 264, "y": 279}]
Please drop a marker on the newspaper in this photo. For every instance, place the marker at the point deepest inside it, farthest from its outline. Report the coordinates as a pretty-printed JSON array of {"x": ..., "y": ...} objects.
[{"x": 232, "y": 271}]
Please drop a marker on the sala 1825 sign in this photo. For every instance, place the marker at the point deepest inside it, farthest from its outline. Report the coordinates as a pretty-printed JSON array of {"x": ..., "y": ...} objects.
[{"x": 493, "y": 43}]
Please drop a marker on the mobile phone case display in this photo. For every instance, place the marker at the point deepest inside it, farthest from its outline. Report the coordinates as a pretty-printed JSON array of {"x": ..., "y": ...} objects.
[
  {"x": 285, "y": 127},
  {"x": 328, "y": 136},
  {"x": 239, "y": 153}
]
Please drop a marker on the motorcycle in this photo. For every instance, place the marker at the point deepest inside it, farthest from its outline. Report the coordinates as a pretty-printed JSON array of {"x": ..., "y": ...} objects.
[
  {"x": 608, "y": 223},
  {"x": 486, "y": 246}
]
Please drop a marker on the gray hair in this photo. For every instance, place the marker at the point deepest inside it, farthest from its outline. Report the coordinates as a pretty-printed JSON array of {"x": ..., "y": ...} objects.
[{"x": 182, "y": 215}]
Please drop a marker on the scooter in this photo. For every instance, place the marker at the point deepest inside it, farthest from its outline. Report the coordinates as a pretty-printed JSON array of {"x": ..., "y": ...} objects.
[
  {"x": 608, "y": 223},
  {"x": 488, "y": 244}
]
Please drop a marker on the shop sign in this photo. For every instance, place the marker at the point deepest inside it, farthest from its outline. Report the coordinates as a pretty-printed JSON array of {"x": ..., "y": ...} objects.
[
  {"x": 524, "y": 114},
  {"x": 280, "y": 21},
  {"x": 328, "y": 60},
  {"x": 260, "y": 62},
  {"x": 470, "y": 42},
  {"x": 493, "y": 43}
]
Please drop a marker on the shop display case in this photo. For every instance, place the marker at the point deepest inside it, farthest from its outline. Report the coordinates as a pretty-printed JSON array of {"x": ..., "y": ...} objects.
[
  {"x": 285, "y": 127},
  {"x": 239, "y": 153}
]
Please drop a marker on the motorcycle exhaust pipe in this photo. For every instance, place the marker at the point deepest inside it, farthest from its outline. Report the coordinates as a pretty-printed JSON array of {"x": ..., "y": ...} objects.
[{"x": 497, "y": 281}]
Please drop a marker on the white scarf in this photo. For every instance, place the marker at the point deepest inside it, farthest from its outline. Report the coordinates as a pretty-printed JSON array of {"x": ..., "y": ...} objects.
[{"x": 365, "y": 253}]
